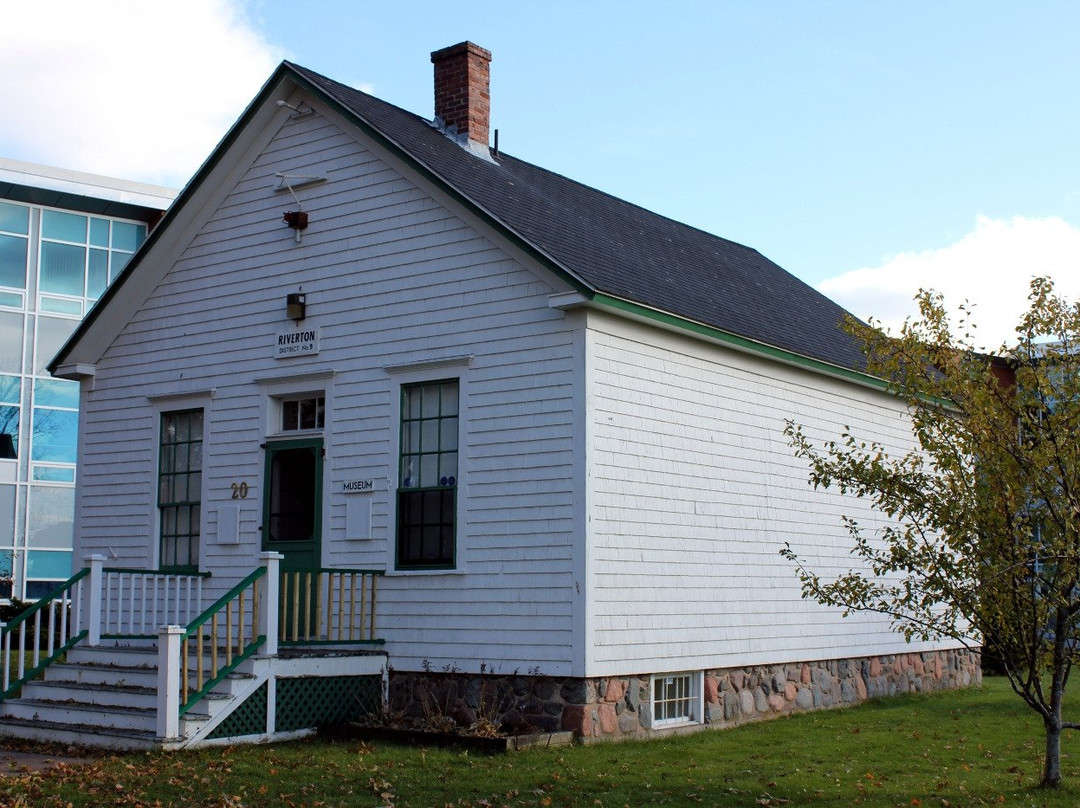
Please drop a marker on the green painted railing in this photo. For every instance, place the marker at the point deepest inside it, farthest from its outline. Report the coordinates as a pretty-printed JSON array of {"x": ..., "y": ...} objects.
[
  {"x": 57, "y": 616},
  {"x": 215, "y": 643}
]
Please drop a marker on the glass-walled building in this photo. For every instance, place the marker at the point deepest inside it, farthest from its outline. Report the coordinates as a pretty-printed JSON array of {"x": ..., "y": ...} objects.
[{"x": 64, "y": 236}]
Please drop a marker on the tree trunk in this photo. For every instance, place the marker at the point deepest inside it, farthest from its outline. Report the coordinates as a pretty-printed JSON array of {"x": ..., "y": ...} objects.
[{"x": 1052, "y": 762}]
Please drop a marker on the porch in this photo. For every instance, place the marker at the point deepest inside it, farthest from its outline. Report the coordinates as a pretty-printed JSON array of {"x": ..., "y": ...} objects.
[{"x": 128, "y": 658}]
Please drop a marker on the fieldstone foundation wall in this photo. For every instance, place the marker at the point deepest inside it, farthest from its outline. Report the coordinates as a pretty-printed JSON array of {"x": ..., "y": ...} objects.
[{"x": 611, "y": 708}]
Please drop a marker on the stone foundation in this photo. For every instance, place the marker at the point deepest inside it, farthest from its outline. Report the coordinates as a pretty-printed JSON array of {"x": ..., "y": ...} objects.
[{"x": 611, "y": 708}]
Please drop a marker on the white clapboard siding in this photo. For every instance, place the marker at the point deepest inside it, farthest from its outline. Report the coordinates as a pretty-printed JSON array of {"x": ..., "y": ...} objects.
[
  {"x": 392, "y": 277},
  {"x": 694, "y": 490}
]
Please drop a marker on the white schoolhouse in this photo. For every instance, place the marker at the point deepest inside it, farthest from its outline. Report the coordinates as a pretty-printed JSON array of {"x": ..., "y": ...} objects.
[{"x": 379, "y": 400}]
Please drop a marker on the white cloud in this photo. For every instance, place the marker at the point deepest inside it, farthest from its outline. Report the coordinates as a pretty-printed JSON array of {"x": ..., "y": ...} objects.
[
  {"x": 128, "y": 88},
  {"x": 991, "y": 267}
]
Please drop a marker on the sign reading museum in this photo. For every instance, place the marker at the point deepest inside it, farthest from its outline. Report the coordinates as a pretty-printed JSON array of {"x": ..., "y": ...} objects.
[{"x": 302, "y": 342}]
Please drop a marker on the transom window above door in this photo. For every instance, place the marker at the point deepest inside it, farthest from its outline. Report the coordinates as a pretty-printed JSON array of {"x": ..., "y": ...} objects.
[{"x": 303, "y": 413}]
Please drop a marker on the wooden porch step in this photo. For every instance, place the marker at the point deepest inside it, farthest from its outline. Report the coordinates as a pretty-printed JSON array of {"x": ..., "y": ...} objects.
[
  {"x": 98, "y": 737},
  {"x": 115, "y": 694},
  {"x": 100, "y": 716},
  {"x": 80, "y": 714},
  {"x": 94, "y": 673}
]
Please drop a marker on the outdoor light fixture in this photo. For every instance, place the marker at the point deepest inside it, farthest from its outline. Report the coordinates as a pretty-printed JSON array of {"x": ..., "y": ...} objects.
[
  {"x": 296, "y": 306},
  {"x": 297, "y": 220}
]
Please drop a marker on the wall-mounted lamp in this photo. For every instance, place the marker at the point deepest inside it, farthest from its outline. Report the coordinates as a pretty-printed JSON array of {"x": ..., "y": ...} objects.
[
  {"x": 297, "y": 220},
  {"x": 296, "y": 306}
]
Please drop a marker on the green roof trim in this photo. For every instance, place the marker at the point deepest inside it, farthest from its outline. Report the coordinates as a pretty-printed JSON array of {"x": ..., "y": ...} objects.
[{"x": 742, "y": 343}]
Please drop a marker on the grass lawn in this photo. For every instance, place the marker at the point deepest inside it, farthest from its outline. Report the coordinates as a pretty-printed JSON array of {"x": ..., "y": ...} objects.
[{"x": 976, "y": 747}]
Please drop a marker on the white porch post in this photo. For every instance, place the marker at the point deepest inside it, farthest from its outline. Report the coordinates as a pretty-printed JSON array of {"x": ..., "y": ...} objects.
[
  {"x": 168, "y": 682},
  {"x": 93, "y": 598},
  {"x": 270, "y": 607}
]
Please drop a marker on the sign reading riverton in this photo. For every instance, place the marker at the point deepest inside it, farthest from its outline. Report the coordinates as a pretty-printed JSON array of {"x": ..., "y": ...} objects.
[{"x": 302, "y": 342}]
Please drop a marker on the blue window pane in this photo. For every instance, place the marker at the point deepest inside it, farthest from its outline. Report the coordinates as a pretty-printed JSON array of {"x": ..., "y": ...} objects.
[
  {"x": 54, "y": 474},
  {"x": 99, "y": 232},
  {"x": 64, "y": 226},
  {"x": 13, "y": 299},
  {"x": 127, "y": 236},
  {"x": 55, "y": 436},
  {"x": 13, "y": 261},
  {"x": 98, "y": 273},
  {"x": 119, "y": 261},
  {"x": 47, "y": 564},
  {"x": 9, "y": 431},
  {"x": 61, "y": 305},
  {"x": 62, "y": 268},
  {"x": 10, "y": 388},
  {"x": 56, "y": 393},
  {"x": 14, "y": 218},
  {"x": 6, "y": 563}
]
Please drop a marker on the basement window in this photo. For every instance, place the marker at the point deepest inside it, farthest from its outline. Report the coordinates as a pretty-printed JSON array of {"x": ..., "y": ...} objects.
[{"x": 676, "y": 699}]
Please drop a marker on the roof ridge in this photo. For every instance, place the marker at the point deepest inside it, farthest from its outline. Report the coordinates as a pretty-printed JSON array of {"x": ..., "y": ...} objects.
[
  {"x": 535, "y": 166},
  {"x": 601, "y": 243}
]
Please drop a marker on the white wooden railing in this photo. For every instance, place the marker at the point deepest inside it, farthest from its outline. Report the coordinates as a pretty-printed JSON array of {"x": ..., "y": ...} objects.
[
  {"x": 197, "y": 647},
  {"x": 136, "y": 603}
]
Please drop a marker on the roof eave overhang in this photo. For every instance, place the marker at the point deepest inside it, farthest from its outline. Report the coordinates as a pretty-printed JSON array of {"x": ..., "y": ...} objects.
[
  {"x": 583, "y": 293},
  {"x": 673, "y": 322}
]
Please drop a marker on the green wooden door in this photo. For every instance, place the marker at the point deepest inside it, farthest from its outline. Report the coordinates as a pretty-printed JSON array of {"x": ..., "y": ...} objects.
[
  {"x": 292, "y": 505},
  {"x": 292, "y": 526}
]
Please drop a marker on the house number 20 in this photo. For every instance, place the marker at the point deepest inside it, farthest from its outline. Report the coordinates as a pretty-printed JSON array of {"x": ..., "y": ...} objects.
[{"x": 239, "y": 490}]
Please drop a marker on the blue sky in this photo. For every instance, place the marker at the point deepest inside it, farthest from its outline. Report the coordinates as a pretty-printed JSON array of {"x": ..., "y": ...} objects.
[{"x": 867, "y": 147}]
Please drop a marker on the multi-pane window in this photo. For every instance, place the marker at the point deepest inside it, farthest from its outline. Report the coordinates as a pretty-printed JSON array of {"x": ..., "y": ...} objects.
[
  {"x": 53, "y": 265},
  {"x": 675, "y": 698},
  {"x": 179, "y": 487},
  {"x": 428, "y": 474},
  {"x": 80, "y": 256},
  {"x": 55, "y": 420},
  {"x": 303, "y": 413}
]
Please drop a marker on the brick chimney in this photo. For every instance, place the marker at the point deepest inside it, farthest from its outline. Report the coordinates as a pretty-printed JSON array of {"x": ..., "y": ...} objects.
[{"x": 462, "y": 89}]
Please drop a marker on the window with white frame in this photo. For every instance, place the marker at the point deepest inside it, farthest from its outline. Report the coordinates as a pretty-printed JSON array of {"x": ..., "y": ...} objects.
[
  {"x": 180, "y": 488},
  {"x": 676, "y": 699},
  {"x": 428, "y": 475},
  {"x": 80, "y": 256},
  {"x": 303, "y": 413}
]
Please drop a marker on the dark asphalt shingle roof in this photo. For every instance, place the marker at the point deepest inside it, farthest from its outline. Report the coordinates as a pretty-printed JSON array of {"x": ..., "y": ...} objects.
[{"x": 617, "y": 248}]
